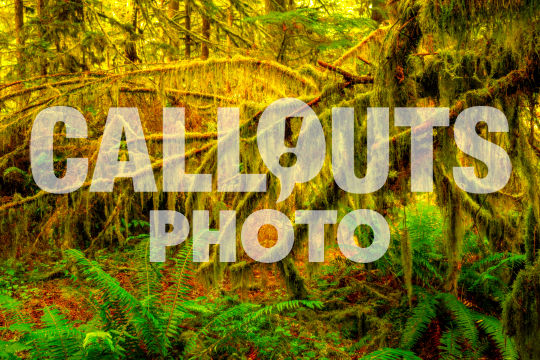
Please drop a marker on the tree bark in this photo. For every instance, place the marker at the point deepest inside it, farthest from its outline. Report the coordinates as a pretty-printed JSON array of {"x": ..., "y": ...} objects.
[
  {"x": 131, "y": 48},
  {"x": 172, "y": 10},
  {"x": 43, "y": 58},
  {"x": 187, "y": 6},
  {"x": 19, "y": 37},
  {"x": 229, "y": 23},
  {"x": 206, "y": 34}
]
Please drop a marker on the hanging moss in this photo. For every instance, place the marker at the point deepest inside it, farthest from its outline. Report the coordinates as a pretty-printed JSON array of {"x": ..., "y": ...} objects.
[
  {"x": 456, "y": 16},
  {"x": 454, "y": 241},
  {"x": 531, "y": 236},
  {"x": 406, "y": 259}
]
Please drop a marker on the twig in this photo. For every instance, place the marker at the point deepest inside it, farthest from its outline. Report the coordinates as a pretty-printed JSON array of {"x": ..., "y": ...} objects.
[{"x": 363, "y": 60}]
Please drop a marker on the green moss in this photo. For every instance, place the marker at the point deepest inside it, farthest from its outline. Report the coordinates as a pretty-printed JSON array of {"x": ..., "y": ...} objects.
[
  {"x": 531, "y": 231},
  {"x": 521, "y": 312}
]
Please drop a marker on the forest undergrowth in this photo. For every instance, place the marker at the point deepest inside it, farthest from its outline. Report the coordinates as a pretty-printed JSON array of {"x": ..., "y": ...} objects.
[{"x": 461, "y": 277}]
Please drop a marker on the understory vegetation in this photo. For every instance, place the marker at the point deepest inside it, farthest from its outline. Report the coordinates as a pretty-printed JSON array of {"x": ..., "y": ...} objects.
[{"x": 461, "y": 277}]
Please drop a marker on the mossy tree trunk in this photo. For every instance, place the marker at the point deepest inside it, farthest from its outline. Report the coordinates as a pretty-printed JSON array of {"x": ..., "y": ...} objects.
[
  {"x": 172, "y": 10},
  {"x": 19, "y": 37},
  {"x": 40, "y": 5},
  {"x": 187, "y": 10},
  {"x": 206, "y": 35},
  {"x": 131, "y": 47},
  {"x": 296, "y": 285},
  {"x": 521, "y": 312}
]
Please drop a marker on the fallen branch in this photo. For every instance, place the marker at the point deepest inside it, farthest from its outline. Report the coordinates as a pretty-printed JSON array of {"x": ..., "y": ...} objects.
[{"x": 355, "y": 79}]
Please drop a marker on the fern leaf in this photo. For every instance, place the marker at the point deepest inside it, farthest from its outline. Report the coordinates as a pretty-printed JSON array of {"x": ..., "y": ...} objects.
[
  {"x": 450, "y": 347},
  {"x": 493, "y": 328},
  {"x": 180, "y": 290},
  {"x": 463, "y": 317},
  {"x": 391, "y": 354},
  {"x": 121, "y": 307},
  {"x": 58, "y": 339},
  {"x": 421, "y": 317}
]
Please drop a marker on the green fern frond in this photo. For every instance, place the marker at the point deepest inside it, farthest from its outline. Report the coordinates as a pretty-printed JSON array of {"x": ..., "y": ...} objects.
[
  {"x": 9, "y": 349},
  {"x": 488, "y": 282},
  {"x": 16, "y": 320},
  {"x": 511, "y": 260},
  {"x": 421, "y": 317},
  {"x": 493, "y": 328},
  {"x": 99, "y": 345},
  {"x": 58, "y": 339},
  {"x": 121, "y": 309},
  {"x": 219, "y": 320},
  {"x": 248, "y": 314},
  {"x": 498, "y": 259},
  {"x": 462, "y": 316},
  {"x": 281, "y": 307},
  {"x": 148, "y": 274},
  {"x": 450, "y": 347},
  {"x": 424, "y": 226},
  {"x": 391, "y": 354},
  {"x": 180, "y": 290},
  {"x": 424, "y": 270}
]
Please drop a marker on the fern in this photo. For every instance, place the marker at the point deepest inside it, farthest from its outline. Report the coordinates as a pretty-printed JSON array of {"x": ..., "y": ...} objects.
[
  {"x": 148, "y": 275},
  {"x": 462, "y": 328},
  {"x": 179, "y": 291},
  {"x": 248, "y": 314},
  {"x": 120, "y": 309},
  {"x": 360, "y": 344},
  {"x": 487, "y": 282},
  {"x": 423, "y": 225},
  {"x": 58, "y": 339},
  {"x": 17, "y": 321},
  {"x": 493, "y": 328},
  {"x": 462, "y": 316},
  {"x": 421, "y": 317},
  {"x": 423, "y": 269},
  {"x": 391, "y": 354},
  {"x": 99, "y": 345},
  {"x": 281, "y": 307},
  {"x": 499, "y": 259},
  {"x": 450, "y": 347}
]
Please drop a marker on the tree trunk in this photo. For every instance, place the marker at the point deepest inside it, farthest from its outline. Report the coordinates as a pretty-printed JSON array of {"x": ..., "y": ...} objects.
[
  {"x": 294, "y": 281},
  {"x": 278, "y": 31},
  {"x": 206, "y": 35},
  {"x": 131, "y": 48},
  {"x": 455, "y": 233},
  {"x": 43, "y": 58},
  {"x": 172, "y": 10},
  {"x": 229, "y": 23},
  {"x": 187, "y": 6},
  {"x": 521, "y": 312},
  {"x": 19, "y": 37}
]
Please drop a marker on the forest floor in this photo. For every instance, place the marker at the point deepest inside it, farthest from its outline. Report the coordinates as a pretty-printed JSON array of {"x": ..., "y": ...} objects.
[{"x": 335, "y": 328}]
